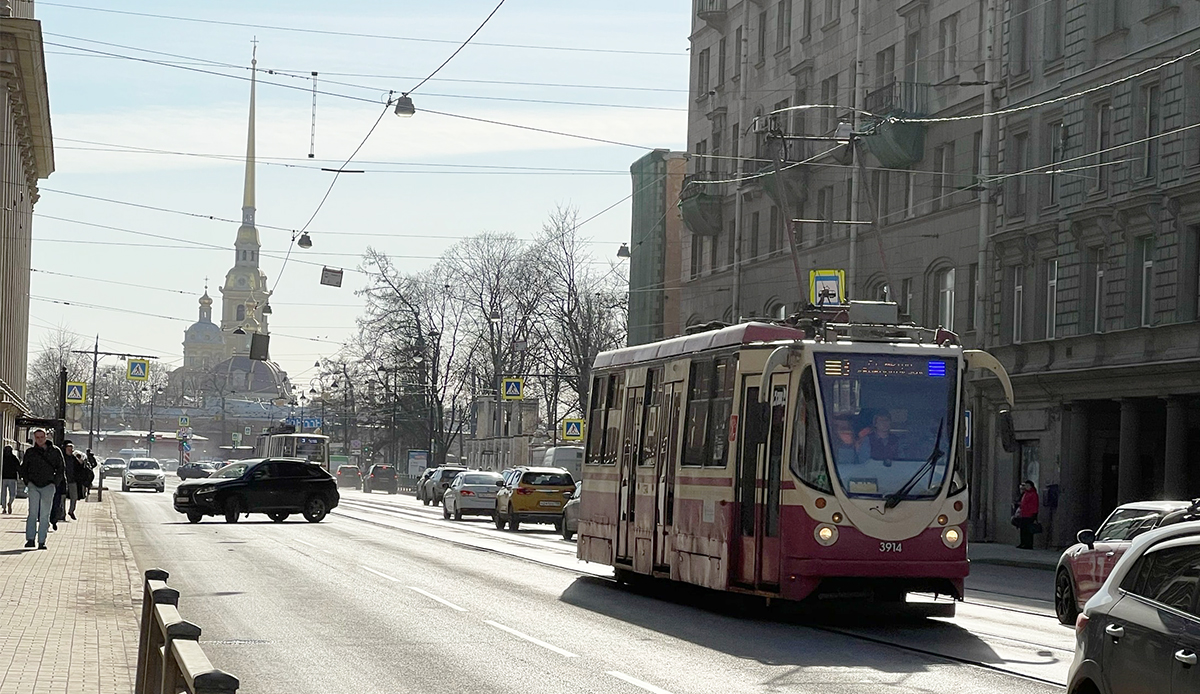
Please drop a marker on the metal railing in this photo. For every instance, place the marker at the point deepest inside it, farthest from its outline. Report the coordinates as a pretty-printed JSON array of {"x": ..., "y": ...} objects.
[
  {"x": 910, "y": 98},
  {"x": 170, "y": 659}
]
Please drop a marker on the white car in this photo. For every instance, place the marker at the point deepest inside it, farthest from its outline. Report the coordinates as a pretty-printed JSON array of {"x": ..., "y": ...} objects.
[{"x": 144, "y": 473}]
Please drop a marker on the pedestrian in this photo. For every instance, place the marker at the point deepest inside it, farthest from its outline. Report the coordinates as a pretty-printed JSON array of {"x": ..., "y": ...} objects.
[
  {"x": 1026, "y": 516},
  {"x": 58, "y": 511},
  {"x": 79, "y": 486},
  {"x": 41, "y": 469},
  {"x": 8, "y": 479},
  {"x": 90, "y": 464}
]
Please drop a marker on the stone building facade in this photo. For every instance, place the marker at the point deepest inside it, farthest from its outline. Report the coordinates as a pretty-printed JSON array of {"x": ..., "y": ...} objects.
[{"x": 26, "y": 156}]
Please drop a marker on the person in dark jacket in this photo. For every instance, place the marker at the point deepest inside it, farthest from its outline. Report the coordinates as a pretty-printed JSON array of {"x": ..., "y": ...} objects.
[
  {"x": 8, "y": 479},
  {"x": 41, "y": 469},
  {"x": 64, "y": 486},
  {"x": 1027, "y": 513}
]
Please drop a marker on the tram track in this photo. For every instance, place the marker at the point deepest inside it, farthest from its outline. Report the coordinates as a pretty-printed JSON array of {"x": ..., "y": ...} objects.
[{"x": 508, "y": 544}]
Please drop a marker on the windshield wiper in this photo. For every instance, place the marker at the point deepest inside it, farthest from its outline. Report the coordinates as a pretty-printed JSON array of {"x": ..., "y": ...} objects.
[{"x": 931, "y": 464}]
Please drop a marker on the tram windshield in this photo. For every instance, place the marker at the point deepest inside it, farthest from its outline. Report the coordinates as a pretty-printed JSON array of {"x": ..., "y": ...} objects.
[{"x": 891, "y": 420}]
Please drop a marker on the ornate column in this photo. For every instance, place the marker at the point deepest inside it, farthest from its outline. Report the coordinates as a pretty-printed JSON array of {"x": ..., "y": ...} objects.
[
  {"x": 1175, "y": 472},
  {"x": 1129, "y": 466}
]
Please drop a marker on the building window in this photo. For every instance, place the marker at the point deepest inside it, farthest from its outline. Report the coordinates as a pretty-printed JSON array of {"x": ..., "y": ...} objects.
[
  {"x": 976, "y": 163},
  {"x": 1147, "y": 248},
  {"x": 910, "y": 195},
  {"x": 825, "y": 214},
  {"x": 882, "y": 208},
  {"x": 948, "y": 47},
  {"x": 943, "y": 179},
  {"x": 981, "y": 34},
  {"x": 1018, "y": 303},
  {"x": 783, "y": 25},
  {"x": 1055, "y": 144},
  {"x": 972, "y": 294},
  {"x": 1056, "y": 22},
  {"x": 829, "y": 97},
  {"x": 778, "y": 311},
  {"x": 773, "y": 234},
  {"x": 241, "y": 312},
  {"x": 1018, "y": 46},
  {"x": 1108, "y": 17},
  {"x": 762, "y": 36},
  {"x": 1151, "y": 127},
  {"x": 1051, "y": 298},
  {"x": 702, "y": 73},
  {"x": 722, "y": 47},
  {"x": 806, "y": 16},
  {"x": 912, "y": 57},
  {"x": 714, "y": 242},
  {"x": 754, "y": 236},
  {"x": 885, "y": 66},
  {"x": 906, "y": 295},
  {"x": 945, "y": 285},
  {"x": 1019, "y": 183},
  {"x": 833, "y": 10},
  {"x": 1096, "y": 257},
  {"x": 1102, "y": 132}
]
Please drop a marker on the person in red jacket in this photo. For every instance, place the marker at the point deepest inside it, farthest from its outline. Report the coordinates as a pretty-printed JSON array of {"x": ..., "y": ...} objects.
[{"x": 1027, "y": 512}]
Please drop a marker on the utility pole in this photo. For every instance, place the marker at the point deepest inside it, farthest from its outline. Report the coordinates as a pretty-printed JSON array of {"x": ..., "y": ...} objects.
[
  {"x": 857, "y": 180},
  {"x": 985, "y": 170},
  {"x": 744, "y": 77}
]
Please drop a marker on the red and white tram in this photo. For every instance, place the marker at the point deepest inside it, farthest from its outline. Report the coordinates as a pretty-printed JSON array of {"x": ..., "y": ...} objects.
[{"x": 783, "y": 460}]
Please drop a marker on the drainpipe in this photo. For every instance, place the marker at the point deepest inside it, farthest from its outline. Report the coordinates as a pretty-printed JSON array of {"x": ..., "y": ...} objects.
[
  {"x": 743, "y": 77},
  {"x": 856, "y": 179}
]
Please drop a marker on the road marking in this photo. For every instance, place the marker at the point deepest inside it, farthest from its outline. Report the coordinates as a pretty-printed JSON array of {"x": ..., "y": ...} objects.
[
  {"x": 530, "y": 639},
  {"x": 431, "y": 596},
  {"x": 306, "y": 543},
  {"x": 638, "y": 683}
]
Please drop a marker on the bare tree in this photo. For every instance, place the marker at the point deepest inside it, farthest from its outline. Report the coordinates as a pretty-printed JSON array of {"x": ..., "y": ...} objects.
[{"x": 54, "y": 352}]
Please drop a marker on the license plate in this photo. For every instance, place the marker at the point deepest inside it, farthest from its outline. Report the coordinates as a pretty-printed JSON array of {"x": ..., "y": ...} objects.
[
  {"x": 548, "y": 503},
  {"x": 487, "y": 496}
]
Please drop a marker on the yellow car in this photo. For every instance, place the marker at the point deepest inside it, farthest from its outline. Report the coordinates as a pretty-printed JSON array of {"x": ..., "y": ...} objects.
[{"x": 532, "y": 495}]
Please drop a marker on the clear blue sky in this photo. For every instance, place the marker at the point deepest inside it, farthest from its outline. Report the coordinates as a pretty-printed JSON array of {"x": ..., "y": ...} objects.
[{"x": 102, "y": 106}]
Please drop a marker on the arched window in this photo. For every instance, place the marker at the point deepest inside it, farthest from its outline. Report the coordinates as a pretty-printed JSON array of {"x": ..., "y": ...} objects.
[
  {"x": 945, "y": 297},
  {"x": 241, "y": 312},
  {"x": 777, "y": 310}
]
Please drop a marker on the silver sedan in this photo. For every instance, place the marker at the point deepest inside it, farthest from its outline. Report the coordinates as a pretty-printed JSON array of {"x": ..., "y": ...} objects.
[{"x": 471, "y": 493}]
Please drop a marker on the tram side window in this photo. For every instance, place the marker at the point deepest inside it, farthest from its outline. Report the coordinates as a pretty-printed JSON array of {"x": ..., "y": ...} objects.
[
  {"x": 596, "y": 428},
  {"x": 695, "y": 427},
  {"x": 651, "y": 424},
  {"x": 808, "y": 452},
  {"x": 614, "y": 398},
  {"x": 720, "y": 410}
]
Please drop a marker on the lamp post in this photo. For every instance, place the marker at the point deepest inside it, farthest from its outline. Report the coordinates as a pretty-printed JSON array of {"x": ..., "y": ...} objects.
[
  {"x": 392, "y": 406},
  {"x": 494, "y": 321},
  {"x": 150, "y": 433}
]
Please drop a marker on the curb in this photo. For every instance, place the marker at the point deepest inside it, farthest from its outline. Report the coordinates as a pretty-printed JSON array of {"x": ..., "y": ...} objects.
[{"x": 1016, "y": 563}]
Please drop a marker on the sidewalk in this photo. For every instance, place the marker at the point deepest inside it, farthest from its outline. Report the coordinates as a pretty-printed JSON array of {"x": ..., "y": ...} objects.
[
  {"x": 1008, "y": 555},
  {"x": 70, "y": 621}
]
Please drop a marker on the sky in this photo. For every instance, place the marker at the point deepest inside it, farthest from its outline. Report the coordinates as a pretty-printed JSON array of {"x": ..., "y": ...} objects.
[{"x": 128, "y": 131}]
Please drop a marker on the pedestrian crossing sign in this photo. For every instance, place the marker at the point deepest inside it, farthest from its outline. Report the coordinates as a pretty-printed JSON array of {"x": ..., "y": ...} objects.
[
  {"x": 572, "y": 430},
  {"x": 138, "y": 370},
  {"x": 184, "y": 421},
  {"x": 512, "y": 389},
  {"x": 76, "y": 393}
]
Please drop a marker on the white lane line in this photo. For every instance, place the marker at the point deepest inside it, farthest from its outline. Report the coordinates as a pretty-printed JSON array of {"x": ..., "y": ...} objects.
[
  {"x": 380, "y": 573},
  {"x": 638, "y": 683},
  {"x": 305, "y": 543},
  {"x": 431, "y": 596},
  {"x": 530, "y": 639}
]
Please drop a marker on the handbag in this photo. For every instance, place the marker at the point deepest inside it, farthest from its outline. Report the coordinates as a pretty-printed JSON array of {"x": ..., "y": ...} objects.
[
  {"x": 1036, "y": 528},
  {"x": 1016, "y": 521}
]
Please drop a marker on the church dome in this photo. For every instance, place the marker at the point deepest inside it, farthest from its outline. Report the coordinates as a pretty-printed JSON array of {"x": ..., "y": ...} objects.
[
  {"x": 240, "y": 374},
  {"x": 204, "y": 331}
]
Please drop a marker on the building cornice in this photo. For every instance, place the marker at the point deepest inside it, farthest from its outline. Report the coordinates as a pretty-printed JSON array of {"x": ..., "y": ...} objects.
[{"x": 23, "y": 67}]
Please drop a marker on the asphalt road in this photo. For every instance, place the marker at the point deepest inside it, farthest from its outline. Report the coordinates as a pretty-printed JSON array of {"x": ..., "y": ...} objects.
[{"x": 386, "y": 596}]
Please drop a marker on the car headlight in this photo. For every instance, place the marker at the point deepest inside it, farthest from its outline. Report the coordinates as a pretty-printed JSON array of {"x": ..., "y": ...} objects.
[
  {"x": 826, "y": 534},
  {"x": 205, "y": 490},
  {"x": 952, "y": 536}
]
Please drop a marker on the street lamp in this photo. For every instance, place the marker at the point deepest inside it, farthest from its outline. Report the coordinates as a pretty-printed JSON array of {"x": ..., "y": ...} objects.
[
  {"x": 150, "y": 436},
  {"x": 623, "y": 251},
  {"x": 404, "y": 106},
  {"x": 494, "y": 320}
]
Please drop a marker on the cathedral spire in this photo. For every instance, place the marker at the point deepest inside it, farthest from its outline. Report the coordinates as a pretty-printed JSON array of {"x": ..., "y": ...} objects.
[{"x": 248, "y": 193}]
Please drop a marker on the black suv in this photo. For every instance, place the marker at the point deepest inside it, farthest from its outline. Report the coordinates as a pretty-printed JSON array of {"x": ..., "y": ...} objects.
[
  {"x": 276, "y": 487},
  {"x": 189, "y": 471},
  {"x": 381, "y": 477}
]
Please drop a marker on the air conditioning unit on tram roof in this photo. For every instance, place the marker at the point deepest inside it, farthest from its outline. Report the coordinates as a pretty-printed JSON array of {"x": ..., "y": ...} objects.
[{"x": 874, "y": 312}]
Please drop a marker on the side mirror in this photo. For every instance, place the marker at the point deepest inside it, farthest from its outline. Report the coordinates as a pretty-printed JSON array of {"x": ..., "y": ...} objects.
[
  {"x": 500, "y": 483},
  {"x": 568, "y": 495},
  {"x": 1008, "y": 434},
  {"x": 1087, "y": 537}
]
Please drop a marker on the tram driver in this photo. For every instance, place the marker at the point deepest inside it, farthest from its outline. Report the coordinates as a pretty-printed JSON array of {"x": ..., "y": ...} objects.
[{"x": 877, "y": 442}]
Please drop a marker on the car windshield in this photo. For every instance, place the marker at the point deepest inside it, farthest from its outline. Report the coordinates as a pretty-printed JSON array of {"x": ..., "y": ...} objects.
[
  {"x": 230, "y": 471},
  {"x": 549, "y": 479},
  {"x": 1127, "y": 523},
  {"x": 890, "y": 422},
  {"x": 143, "y": 464},
  {"x": 481, "y": 479}
]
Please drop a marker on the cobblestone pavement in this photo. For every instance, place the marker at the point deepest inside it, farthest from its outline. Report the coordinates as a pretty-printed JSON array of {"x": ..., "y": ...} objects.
[{"x": 69, "y": 614}]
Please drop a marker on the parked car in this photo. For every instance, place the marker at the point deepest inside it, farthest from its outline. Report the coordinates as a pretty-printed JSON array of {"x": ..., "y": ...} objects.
[
  {"x": 1084, "y": 566},
  {"x": 570, "y": 524},
  {"x": 532, "y": 495},
  {"x": 189, "y": 471},
  {"x": 1140, "y": 632},
  {"x": 144, "y": 473},
  {"x": 277, "y": 487},
  {"x": 349, "y": 476},
  {"x": 382, "y": 478},
  {"x": 439, "y": 482},
  {"x": 112, "y": 467},
  {"x": 471, "y": 493},
  {"x": 420, "y": 484}
]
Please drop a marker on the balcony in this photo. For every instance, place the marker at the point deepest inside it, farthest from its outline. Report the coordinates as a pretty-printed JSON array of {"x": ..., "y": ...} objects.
[
  {"x": 898, "y": 145},
  {"x": 713, "y": 12},
  {"x": 700, "y": 203},
  {"x": 899, "y": 99}
]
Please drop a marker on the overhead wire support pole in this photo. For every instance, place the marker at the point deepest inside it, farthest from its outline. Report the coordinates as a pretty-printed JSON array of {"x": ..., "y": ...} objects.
[
  {"x": 858, "y": 173},
  {"x": 860, "y": 167},
  {"x": 785, "y": 202},
  {"x": 986, "y": 142},
  {"x": 738, "y": 231}
]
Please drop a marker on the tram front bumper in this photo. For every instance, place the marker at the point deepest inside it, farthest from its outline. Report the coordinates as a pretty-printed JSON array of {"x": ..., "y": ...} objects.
[{"x": 803, "y": 577}]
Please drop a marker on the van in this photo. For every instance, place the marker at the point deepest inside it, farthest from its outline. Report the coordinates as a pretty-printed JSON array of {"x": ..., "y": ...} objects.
[
  {"x": 570, "y": 458},
  {"x": 130, "y": 453}
]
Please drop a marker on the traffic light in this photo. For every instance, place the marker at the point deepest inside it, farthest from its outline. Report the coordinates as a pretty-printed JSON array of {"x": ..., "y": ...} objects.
[{"x": 150, "y": 438}]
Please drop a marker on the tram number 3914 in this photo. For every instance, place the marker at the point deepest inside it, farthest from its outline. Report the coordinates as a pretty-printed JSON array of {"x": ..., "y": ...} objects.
[{"x": 889, "y": 547}]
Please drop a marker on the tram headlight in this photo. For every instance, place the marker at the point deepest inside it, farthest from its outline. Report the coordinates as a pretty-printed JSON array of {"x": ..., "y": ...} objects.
[
  {"x": 952, "y": 537},
  {"x": 826, "y": 534}
]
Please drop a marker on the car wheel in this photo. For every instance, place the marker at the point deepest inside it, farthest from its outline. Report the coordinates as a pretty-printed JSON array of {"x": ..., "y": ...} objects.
[
  {"x": 315, "y": 509},
  {"x": 233, "y": 509},
  {"x": 436, "y": 500},
  {"x": 558, "y": 526},
  {"x": 160, "y": 490},
  {"x": 457, "y": 515},
  {"x": 194, "y": 517},
  {"x": 513, "y": 523},
  {"x": 124, "y": 487},
  {"x": 424, "y": 500},
  {"x": 1065, "y": 607},
  {"x": 445, "y": 512},
  {"x": 567, "y": 534},
  {"x": 498, "y": 520},
  {"x": 278, "y": 516}
]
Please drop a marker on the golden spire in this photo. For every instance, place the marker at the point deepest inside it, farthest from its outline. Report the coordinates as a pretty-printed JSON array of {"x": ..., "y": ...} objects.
[{"x": 248, "y": 193}]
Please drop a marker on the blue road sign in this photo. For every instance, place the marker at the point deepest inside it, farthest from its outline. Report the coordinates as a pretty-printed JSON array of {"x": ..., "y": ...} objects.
[
  {"x": 512, "y": 389},
  {"x": 76, "y": 393},
  {"x": 138, "y": 370},
  {"x": 572, "y": 430}
]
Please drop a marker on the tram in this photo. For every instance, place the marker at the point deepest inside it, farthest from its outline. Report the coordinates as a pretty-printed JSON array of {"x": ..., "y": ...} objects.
[
  {"x": 819, "y": 457},
  {"x": 311, "y": 447}
]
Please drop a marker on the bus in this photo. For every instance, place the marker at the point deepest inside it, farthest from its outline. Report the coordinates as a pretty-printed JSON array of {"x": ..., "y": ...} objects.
[
  {"x": 819, "y": 457},
  {"x": 311, "y": 447}
]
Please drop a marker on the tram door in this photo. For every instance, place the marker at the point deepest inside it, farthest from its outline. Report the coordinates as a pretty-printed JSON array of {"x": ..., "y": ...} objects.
[
  {"x": 631, "y": 433},
  {"x": 759, "y": 471},
  {"x": 671, "y": 397}
]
